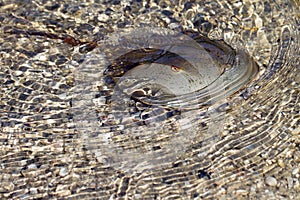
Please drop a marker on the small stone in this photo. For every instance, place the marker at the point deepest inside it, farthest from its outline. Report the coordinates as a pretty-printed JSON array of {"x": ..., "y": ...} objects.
[
  {"x": 64, "y": 193},
  {"x": 271, "y": 181},
  {"x": 241, "y": 192},
  {"x": 62, "y": 190},
  {"x": 47, "y": 74},
  {"x": 103, "y": 18},
  {"x": 290, "y": 182},
  {"x": 246, "y": 162},
  {"x": 18, "y": 73},
  {"x": 136, "y": 196},
  {"x": 252, "y": 189},
  {"x": 33, "y": 190},
  {"x": 281, "y": 163},
  {"x": 42, "y": 57},
  {"x": 23, "y": 162},
  {"x": 32, "y": 166},
  {"x": 9, "y": 186},
  {"x": 63, "y": 171},
  {"x": 295, "y": 171},
  {"x": 222, "y": 191}
]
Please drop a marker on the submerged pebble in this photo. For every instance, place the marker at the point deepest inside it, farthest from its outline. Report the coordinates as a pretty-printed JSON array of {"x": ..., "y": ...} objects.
[{"x": 271, "y": 181}]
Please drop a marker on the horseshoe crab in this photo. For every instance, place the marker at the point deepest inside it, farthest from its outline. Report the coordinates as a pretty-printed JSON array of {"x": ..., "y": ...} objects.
[
  {"x": 160, "y": 77},
  {"x": 148, "y": 90}
]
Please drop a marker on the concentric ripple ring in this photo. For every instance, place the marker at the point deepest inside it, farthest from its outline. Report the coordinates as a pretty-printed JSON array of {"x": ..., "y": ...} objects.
[{"x": 167, "y": 80}]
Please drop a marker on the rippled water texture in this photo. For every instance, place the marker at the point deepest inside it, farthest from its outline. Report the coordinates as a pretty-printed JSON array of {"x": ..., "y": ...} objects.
[
  {"x": 149, "y": 99},
  {"x": 153, "y": 97}
]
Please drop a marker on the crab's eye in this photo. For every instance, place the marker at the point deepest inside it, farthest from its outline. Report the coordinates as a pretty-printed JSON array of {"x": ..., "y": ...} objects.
[{"x": 175, "y": 68}]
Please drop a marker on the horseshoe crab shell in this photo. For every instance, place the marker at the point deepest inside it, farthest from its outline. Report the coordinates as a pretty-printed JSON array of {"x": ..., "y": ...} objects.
[{"x": 159, "y": 77}]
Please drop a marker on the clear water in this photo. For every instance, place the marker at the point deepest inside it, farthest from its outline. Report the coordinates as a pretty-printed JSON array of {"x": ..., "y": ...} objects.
[{"x": 67, "y": 132}]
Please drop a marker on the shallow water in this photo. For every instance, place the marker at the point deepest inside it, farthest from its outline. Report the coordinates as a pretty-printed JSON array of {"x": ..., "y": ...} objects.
[
  {"x": 155, "y": 90},
  {"x": 61, "y": 137}
]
